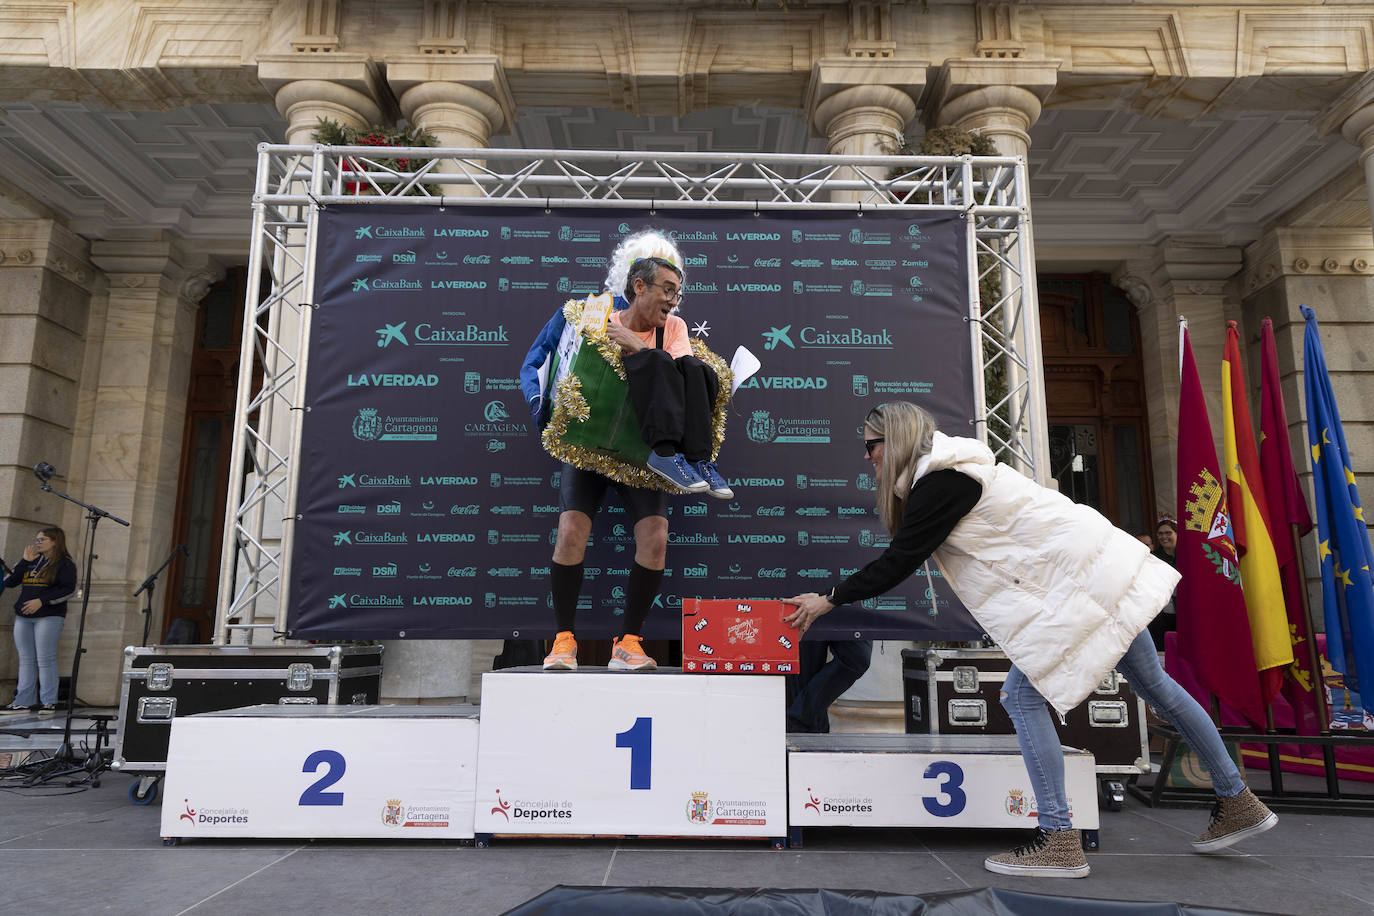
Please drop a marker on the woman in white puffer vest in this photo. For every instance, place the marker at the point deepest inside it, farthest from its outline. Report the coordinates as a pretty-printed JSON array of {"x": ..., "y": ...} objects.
[{"x": 1064, "y": 593}]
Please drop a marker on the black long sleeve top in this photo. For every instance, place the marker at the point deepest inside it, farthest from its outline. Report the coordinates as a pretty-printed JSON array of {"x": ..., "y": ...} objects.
[
  {"x": 937, "y": 503},
  {"x": 33, "y": 582}
]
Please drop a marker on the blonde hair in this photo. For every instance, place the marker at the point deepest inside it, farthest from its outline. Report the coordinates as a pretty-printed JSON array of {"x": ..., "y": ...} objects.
[
  {"x": 650, "y": 243},
  {"x": 907, "y": 432}
]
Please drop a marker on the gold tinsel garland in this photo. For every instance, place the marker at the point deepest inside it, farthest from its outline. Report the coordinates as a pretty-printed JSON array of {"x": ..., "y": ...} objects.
[{"x": 569, "y": 405}]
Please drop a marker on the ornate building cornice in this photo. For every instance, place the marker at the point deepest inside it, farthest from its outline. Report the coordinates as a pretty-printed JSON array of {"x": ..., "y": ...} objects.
[{"x": 1306, "y": 251}]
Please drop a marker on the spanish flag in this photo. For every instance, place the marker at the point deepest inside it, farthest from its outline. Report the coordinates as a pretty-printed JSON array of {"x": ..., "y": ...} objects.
[{"x": 1259, "y": 565}]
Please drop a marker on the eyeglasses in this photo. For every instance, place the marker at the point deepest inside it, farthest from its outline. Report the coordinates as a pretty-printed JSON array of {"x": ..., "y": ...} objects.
[
  {"x": 870, "y": 444},
  {"x": 672, "y": 292}
]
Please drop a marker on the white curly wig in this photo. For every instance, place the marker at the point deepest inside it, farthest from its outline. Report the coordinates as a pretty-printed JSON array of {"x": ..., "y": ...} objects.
[{"x": 649, "y": 243}]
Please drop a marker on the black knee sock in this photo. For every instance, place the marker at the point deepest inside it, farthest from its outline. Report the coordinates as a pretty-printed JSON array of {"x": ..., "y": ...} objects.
[
  {"x": 665, "y": 449},
  {"x": 639, "y": 596},
  {"x": 567, "y": 585}
]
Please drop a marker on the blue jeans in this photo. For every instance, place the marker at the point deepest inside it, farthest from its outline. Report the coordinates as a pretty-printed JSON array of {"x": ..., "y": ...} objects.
[
  {"x": 819, "y": 683},
  {"x": 36, "y": 640},
  {"x": 1041, "y": 748}
]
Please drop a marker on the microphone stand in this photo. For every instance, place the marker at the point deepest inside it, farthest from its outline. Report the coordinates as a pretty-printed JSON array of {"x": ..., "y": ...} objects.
[
  {"x": 149, "y": 584},
  {"x": 66, "y": 754}
]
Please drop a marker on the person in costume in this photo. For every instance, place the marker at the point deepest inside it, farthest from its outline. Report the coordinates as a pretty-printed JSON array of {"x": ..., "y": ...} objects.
[
  {"x": 1065, "y": 594},
  {"x": 674, "y": 394}
]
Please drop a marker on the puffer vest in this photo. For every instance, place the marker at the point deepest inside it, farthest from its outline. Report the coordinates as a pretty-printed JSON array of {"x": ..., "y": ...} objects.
[{"x": 1061, "y": 590}]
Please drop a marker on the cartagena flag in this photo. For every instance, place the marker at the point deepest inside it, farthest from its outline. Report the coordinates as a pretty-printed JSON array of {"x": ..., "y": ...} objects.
[
  {"x": 1287, "y": 510},
  {"x": 1213, "y": 628},
  {"x": 1259, "y": 566},
  {"x": 1342, "y": 536}
]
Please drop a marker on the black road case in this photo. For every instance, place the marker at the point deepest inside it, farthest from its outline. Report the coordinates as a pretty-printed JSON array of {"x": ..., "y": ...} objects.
[
  {"x": 163, "y": 682},
  {"x": 958, "y": 692}
]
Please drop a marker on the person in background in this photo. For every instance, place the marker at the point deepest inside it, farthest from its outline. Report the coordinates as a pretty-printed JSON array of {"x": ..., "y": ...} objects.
[
  {"x": 819, "y": 682},
  {"x": 46, "y": 578},
  {"x": 1166, "y": 537},
  {"x": 1066, "y": 595}
]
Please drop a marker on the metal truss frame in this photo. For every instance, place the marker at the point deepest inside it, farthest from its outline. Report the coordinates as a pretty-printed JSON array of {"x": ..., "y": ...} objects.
[{"x": 295, "y": 182}]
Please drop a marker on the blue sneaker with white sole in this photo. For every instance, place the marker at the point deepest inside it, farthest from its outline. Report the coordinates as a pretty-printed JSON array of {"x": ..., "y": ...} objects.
[
  {"x": 707, "y": 471},
  {"x": 676, "y": 470}
]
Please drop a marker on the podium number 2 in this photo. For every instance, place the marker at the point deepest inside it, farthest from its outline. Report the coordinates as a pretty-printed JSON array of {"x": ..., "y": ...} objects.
[
  {"x": 950, "y": 787},
  {"x": 639, "y": 738},
  {"x": 315, "y": 795}
]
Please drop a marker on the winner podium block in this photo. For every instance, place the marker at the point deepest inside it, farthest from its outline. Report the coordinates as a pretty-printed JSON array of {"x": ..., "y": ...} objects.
[{"x": 627, "y": 753}]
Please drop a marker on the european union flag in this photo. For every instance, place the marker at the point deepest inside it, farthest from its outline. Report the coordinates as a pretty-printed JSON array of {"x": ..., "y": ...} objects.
[{"x": 1342, "y": 537}]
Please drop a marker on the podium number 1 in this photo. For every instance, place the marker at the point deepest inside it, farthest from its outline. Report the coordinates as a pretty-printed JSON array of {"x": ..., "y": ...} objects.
[{"x": 639, "y": 738}]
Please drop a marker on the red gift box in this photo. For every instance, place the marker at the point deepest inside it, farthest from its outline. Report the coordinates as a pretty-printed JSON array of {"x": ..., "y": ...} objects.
[{"x": 724, "y": 636}]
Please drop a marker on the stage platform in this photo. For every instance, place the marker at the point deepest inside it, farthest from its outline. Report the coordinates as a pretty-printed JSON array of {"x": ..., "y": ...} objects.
[{"x": 27, "y": 732}]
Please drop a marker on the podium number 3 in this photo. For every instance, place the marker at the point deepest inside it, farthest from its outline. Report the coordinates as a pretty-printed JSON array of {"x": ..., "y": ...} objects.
[
  {"x": 951, "y": 777},
  {"x": 639, "y": 738},
  {"x": 315, "y": 795}
]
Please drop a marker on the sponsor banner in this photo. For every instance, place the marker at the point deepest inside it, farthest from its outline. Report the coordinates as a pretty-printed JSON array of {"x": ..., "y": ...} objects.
[{"x": 428, "y": 507}]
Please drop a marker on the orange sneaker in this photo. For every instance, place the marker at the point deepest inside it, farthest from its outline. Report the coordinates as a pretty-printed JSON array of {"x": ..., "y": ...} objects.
[
  {"x": 628, "y": 655},
  {"x": 564, "y": 654}
]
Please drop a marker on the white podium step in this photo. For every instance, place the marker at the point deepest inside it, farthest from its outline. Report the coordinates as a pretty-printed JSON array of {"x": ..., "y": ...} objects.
[
  {"x": 924, "y": 781},
  {"x": 387, "y": 772},
  {"x": 599, "y": 752}
]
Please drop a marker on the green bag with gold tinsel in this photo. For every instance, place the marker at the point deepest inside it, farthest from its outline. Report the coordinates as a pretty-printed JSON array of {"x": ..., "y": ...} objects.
[{"x": 594, "y": 425}]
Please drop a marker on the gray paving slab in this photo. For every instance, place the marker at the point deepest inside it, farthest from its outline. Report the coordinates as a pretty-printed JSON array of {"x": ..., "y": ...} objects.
[{"x": 94, "y": 851}]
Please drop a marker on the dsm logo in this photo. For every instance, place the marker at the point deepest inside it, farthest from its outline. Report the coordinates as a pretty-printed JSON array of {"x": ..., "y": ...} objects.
[
  {"x": 761, "y": 427},
  {"x": 367, "y": 426}
]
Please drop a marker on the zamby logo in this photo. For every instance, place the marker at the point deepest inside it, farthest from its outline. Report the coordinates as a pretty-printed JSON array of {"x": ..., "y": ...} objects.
[
  {"x": 190, "y": 814},
  {"x": 502, "y": 806},
  {"x": 814, "y": 804}
]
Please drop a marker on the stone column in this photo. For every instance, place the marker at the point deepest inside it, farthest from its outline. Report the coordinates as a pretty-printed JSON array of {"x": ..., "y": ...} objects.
[
  {"x": 308, "y": 87},
  {"x": 46, "y": 282},
  {"x": 463, "y": 100},
  {"x": 1000, "y": 99},
  {"x": 132, "y": 418},
  {"x": 1159, "y": 359},
  {"x": 863, "y": 108},
  {"x": 1353, "y": 115},
  {"x": 1192, "y": 277}
]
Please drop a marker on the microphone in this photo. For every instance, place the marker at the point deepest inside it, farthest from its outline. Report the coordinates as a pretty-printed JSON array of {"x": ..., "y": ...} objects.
[{"x": 44, "y": 471}]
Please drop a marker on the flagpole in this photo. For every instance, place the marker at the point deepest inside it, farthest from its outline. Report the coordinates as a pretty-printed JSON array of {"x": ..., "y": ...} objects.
[{"x": 1314, "y": 662}]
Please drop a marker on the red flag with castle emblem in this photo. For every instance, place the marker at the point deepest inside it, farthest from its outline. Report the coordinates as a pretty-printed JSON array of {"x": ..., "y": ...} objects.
[{"x": 1213, "y": 627}]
